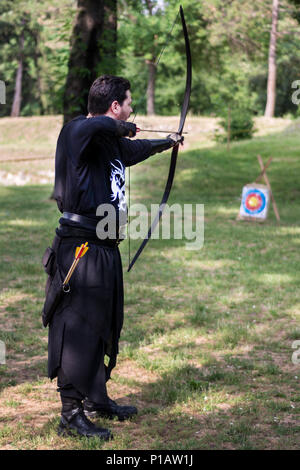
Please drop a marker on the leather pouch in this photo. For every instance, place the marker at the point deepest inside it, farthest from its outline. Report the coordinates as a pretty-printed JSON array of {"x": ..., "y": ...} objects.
[
  {"x": 56, "y": 292},
  {"x": 48, "y": 260}
]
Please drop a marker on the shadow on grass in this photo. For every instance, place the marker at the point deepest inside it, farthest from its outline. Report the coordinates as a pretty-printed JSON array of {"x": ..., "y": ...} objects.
[{"x": 267, "y": 271}]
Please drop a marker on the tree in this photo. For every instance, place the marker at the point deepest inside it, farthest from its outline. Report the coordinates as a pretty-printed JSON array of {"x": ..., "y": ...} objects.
[
  {"x": 19, "y": 32},
  {"x": 141, "y": 30},
  {"x": 151, "y": 63},
  {"x": 151, "y": 53},
  {"x": 16, "y": 106},
  {"x": 93, "y": 52},
  {"x": 271, "y": 87}
]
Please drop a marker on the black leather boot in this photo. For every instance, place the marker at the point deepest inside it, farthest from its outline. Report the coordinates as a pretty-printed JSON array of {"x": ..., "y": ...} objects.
[
  {"x": 73, "y": 421},
  {"x": 109, "y": 410}
]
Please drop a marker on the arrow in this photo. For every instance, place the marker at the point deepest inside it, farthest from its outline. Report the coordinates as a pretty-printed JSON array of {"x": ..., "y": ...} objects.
[
  {"x": 156, "y": 130},
  {"x": 79, "y": 253}
]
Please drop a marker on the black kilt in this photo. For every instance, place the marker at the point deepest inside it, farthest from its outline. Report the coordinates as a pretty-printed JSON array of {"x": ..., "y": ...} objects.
[{"x": 91, "y": 313}]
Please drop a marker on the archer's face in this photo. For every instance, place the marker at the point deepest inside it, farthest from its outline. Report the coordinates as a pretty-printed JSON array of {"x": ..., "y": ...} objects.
[{"x": 125, "y": 110}]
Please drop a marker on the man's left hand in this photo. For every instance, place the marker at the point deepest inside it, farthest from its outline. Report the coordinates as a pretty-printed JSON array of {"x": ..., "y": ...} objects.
[{"x": 176, "y": 138}]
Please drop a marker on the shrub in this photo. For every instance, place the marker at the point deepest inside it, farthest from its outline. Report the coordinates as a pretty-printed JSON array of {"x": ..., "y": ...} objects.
[{"x": 241, "y": 125}]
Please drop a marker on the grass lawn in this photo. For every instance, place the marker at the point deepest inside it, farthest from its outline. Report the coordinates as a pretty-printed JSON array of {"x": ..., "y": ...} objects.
[{"x": 206, "y": 347}]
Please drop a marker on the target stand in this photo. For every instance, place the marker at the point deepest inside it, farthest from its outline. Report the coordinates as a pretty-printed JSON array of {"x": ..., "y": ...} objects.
[{"x": 256, "y": 197}]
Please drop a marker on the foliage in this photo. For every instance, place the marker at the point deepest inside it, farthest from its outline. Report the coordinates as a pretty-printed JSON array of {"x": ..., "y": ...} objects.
[
  {"x": 234, "y": 102},
  {"x": 224, "y": 35},
  {"x": 238, "y": 124},
  {"x": 46, "y": 27},
  {"x": 16, "y": 19}
]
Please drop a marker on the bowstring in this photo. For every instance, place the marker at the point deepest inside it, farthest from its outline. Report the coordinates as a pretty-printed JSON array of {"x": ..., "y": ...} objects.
[
  {"x": 128, "y": 234},
  {"x": 167, "y": 41},
  {"x": 156, "y": 64}
]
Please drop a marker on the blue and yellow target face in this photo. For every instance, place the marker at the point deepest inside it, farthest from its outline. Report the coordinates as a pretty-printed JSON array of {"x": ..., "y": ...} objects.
[{"x": 255, "y": 201}]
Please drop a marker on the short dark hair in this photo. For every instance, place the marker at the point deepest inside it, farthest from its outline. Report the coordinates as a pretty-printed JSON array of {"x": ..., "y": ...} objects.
[{"x": 104, "y": 91}]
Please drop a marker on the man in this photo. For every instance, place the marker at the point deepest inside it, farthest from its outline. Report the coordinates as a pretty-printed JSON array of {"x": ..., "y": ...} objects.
[{"x": 91, "y": 156}]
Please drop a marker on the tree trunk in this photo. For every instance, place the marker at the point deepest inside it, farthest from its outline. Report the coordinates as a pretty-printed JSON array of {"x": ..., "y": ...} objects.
[
  {"x": 151, "y": 88},
  {"x": 109, "y": 38},
  {"x": 271, "y": 89},
  {"x": 36, "y": 55},
  {"x": 151, "y": 73},
  {"x": 16, "y": 106},
  {"x": 93, "y": 52}
]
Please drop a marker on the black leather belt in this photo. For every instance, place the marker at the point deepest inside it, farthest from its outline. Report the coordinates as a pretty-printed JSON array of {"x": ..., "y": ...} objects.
[
  {"x": 90, "y": 223},
  {"x": 81, "y": 219}
]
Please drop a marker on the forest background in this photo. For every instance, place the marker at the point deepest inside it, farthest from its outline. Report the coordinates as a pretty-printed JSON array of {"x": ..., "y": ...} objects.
[
  {"x": 230, "y": 44},
  {"x": 208, "y": 348}
]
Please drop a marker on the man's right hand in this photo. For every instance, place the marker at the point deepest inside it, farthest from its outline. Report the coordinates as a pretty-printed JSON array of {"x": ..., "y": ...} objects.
[{"x": 126, "y": 129}]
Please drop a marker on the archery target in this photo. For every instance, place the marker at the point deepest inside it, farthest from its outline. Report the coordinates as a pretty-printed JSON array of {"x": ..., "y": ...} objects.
[{"x": 255, "y": 202}]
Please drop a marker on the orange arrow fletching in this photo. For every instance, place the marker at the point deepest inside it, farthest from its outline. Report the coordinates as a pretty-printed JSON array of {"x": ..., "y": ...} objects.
[
  {"x": 81, "y": 250},
  {"x": 84, "y": 251},
  {"x": 77, "y": 251}
]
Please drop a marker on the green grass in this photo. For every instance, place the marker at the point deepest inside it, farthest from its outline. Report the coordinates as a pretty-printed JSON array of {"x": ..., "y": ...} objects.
[{"x": 206, "y": 347}]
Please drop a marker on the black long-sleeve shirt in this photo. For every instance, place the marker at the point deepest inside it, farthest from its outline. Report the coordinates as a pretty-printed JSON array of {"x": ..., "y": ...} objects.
[{"x": 90, "y": 164}]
